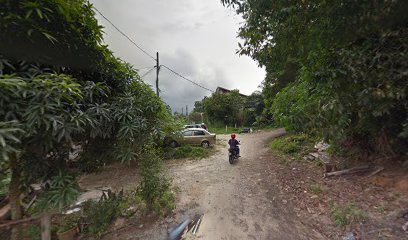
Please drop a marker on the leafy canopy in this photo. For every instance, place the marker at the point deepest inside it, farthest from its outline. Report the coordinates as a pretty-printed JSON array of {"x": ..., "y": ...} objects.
[{"x": 335, "y": 68}]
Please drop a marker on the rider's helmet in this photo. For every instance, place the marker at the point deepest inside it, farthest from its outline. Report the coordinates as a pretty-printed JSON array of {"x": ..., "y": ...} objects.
[{"x": 233, "y": 136}]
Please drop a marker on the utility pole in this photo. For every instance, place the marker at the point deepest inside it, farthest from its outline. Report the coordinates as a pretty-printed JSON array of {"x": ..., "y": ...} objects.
[
  {"x": 186, "y": 110},
  {"x": 157, "y": 73}
]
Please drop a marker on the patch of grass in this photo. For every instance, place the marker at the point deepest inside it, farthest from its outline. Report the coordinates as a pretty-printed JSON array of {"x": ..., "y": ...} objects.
[
  {"x": 293, "y": 145},
  {"x": 381, "y": 209},
  {"x": 177, "y": 189},
  {"x": 319, "y": 163},
  {"x": 315, "y": 188},
  {"x": 344, "y": 215},
  {"x": 186, "y": 151},
  {"x": 222, "y": 130}
]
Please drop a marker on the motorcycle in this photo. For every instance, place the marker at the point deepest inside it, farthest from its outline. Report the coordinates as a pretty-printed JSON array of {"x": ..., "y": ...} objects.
[{"x": 233, "y": 154}]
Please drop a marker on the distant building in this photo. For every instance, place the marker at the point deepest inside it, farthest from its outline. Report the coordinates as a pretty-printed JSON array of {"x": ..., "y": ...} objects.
[{"x": 224, "y": 90}]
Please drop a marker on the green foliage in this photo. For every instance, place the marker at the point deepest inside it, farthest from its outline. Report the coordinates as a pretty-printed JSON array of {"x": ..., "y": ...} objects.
[
  {"x": 62, "y": 192},
  {"x": 286, "y": 147},
  {"x": 225, "y": 107},
  {"x": 33, "y": 232},
  {"x": 155, "y": 186},
  {"x": 61, "y": 87},
  {"x": 99, "y": 215},
  {"x": 186, "y": 151},
  {"x": 69, "y": 222},
  {"x": 231, "y": 108},
  {"x": 315, "y": 188},
  {"x": 345, "y": 215},
  {"x": 4, "y": 182},
  {"x": 336, "y": 69},
  {"x": 253, "y": 108},
  {"x": 295, "y": 145}
]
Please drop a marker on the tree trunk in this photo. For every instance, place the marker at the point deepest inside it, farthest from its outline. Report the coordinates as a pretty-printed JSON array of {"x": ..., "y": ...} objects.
[
  {"x": 46, "y": 226},
  {"x": 14, "y": 194}
]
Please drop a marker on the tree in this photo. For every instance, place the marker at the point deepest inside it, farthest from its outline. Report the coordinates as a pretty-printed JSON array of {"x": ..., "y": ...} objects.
[
  {"x": 196, "y": 117},
  {"x": 59, "y": 87},
  {"x": 254, "y": 106},
  {"x": 334, "y": 68},
  {"x": 198, "y": 106},
  {"x": 224, "y": 107}
]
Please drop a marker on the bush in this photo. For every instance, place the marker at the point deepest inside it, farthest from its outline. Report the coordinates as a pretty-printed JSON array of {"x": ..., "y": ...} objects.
[
  {"x": 155, "y": 186},
  {"x": 344, "y": 215},
  {"x": 294, "y": 145},
  {"x": 99, "y": 215},
  {"x": 186, "y": 151}
]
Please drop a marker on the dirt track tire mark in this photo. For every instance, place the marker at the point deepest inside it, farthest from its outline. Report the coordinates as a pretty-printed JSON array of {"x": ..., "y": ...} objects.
[{"x": 240, "y": 201}]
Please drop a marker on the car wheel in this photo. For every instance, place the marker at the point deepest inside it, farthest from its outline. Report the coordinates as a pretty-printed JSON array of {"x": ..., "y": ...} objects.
[
  {"x": 173, "y": 144},
  {"x": 205, "y": 144}
]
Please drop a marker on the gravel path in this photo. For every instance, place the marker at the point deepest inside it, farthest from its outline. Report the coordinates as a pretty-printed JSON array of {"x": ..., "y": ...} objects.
[{"x": 237, "y": 201}]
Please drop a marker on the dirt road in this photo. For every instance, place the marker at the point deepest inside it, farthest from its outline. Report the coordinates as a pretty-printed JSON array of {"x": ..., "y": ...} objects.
[{"x": 237, "y": 201}]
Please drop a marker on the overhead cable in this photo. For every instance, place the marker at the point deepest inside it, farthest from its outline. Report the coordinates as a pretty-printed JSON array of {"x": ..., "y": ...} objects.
[
  {"x": 191, "y": 81},
  {"x": 138, "y": 69},
  {"x": 120, "y": 31},
  {"x": 145, "y": 52},
  {"x": 148, "y": 72}
]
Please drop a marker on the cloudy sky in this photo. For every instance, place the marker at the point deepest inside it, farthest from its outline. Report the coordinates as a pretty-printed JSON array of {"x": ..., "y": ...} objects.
[{"x": 196, "y": 38}]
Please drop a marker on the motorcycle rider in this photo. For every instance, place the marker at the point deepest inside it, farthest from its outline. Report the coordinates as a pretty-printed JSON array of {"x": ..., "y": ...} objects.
[{"x": 233, "y": 143}]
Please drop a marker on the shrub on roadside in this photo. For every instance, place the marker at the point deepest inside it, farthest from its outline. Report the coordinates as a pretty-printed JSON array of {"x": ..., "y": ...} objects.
[
  {"x": 345, "y": 215},
  {"x": 294, "y": 145},
  {"x": 186, "y": 151},
  {"x": 155, "y": 186},
  {"x": 99, "y": 215}
]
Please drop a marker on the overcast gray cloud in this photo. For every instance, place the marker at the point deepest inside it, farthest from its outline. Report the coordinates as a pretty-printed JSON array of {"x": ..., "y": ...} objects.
[{"x": 194, "y": 37}]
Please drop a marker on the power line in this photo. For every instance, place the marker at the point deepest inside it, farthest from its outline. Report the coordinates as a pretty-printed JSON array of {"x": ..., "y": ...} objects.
[
  {"x": 143, "y": 68},
  {"x": 120, "y": 31},
  {"x": 141, "y": 49},
  {"x": 191, "y": 81},
  {"x": 148, "y": 72}
]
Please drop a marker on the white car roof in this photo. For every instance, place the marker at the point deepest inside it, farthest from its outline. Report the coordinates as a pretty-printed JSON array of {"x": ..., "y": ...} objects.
[{"x": 197, "y": 129}]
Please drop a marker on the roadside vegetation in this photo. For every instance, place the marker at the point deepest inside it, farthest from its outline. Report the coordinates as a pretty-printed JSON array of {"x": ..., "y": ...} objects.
[
  {"x": 230, "y": 109},
  {"x": 187, "y": 151},
  {"x": 293, "y": 145},
  {"x": 335, "y": 70},
  {"x": 63, "y": 93},
  {"x": 343, "y": 215}
]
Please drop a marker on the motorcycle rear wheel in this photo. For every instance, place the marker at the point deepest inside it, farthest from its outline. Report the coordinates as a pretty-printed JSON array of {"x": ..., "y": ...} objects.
[{"x": 231, "y": 159}]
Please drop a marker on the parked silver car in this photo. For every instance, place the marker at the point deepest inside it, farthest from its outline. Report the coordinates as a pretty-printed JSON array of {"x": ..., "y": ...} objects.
[
  {"x": 193, "y": 136},
  {"x": 196, "y": 125}
]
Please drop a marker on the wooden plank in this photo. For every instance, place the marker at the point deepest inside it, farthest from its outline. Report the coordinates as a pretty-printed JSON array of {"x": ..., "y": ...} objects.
[{"x": 348, "y": 171}]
